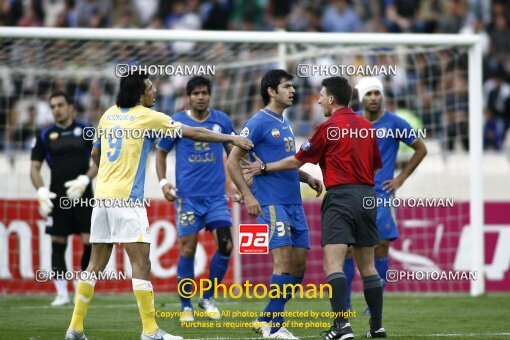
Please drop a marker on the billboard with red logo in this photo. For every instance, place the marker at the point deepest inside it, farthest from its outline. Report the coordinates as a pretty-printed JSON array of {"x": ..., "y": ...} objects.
[{"x": 25, "y": 249}]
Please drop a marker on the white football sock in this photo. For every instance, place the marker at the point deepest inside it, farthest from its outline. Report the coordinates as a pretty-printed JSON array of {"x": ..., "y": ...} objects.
[{"x": 61, "y": 286}]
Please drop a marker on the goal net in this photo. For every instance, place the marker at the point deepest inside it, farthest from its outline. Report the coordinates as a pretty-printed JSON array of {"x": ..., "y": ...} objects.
[{"x": 425, "y": 83}]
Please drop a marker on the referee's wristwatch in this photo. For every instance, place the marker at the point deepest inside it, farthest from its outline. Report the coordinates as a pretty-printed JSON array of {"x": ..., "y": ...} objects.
[{"x": 263, "y": 169}]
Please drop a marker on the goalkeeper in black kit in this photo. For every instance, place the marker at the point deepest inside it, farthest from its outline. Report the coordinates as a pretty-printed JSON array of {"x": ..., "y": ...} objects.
[{"x": 67, "y": 154}]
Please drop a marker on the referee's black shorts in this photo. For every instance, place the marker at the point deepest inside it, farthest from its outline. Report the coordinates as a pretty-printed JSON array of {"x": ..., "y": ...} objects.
[
  {"x": 345, "y": 220},
  {"x": 64, "y": 222}
]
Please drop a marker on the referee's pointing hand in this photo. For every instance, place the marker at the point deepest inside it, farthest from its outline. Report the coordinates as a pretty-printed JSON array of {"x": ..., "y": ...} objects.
[{"x": 251, "y": 169}]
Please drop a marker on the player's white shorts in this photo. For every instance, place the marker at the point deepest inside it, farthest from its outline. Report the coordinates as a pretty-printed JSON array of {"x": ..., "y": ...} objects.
[{"x": 119, "y": 225}]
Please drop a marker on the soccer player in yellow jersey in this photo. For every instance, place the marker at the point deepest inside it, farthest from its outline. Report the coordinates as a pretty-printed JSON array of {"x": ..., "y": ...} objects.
[{"x": 122, "y": 163}]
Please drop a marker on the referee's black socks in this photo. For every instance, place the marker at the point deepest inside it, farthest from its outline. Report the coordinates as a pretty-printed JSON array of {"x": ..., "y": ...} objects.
[
  {"x": 338, "y": 296},
  {"x": 85, "y": 257},
  {"x": 373, "y": 290}
]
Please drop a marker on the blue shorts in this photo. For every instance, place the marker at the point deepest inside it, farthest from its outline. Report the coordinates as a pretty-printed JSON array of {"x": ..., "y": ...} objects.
[
  {"x": 287, "y": 225},
  {"x": 195, "y": 213},
  {"x": 386, "y": 219}
]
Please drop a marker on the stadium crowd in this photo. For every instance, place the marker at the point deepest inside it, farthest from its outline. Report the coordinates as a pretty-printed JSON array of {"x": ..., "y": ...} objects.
[{"x": 434, "y": 89}]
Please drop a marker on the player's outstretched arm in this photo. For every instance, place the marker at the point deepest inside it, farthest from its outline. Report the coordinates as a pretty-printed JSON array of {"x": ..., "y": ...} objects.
[
  {"x": 288, "y": 163},
  {"x": 234, "y": 169},
  {"x": 204, "y": 135},
  {"x": 251, "y": 169},
  {"x": 420, "y": 151},
  {"x": 167, "y": 187}
]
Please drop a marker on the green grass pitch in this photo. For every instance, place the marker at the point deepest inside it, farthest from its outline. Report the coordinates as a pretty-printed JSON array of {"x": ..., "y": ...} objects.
[{"x": 453, "y": 316}]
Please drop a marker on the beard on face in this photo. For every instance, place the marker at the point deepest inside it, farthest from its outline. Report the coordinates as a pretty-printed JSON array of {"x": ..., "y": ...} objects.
[
  {"x": 200, "y": 107},
  {"x": 372, "y": 109}
]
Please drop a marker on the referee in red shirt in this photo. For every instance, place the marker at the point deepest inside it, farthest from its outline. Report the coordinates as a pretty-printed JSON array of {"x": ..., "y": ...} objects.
[{"x": 348, "y": 154}]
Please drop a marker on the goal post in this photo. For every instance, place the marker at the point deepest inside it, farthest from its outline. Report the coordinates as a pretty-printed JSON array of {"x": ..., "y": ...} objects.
[{"x": 281, "y": 56}]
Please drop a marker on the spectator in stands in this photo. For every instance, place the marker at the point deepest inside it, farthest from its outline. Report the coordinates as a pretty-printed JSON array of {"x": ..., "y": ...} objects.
[
  {"x": 339, "y": 16},
  {"x": 26, "y": 132},
  {"x": 456, "y": 100},
  {"x": 34, "y": 16},
  {"x": 183, "y": 17},
  {"x": 500, "y": 39},
  {"x": 10, "y": 12},
  {"x": 422, "y": 81},
  {"x": 374, "y": 21},
  {"x": 213, "y": 14},
  {"x": 300, "y": 19},
  {"x": 496, "y": 94},
  {"x": 493, "y": 131},
  {"x": 156, "y": 23},
  {"x": 125, "y": 15},
  {"x": 51, "y": 8},
  {"x": 247, "y": 15},
  {"x": 476, "y": 26},
  {"x": 452, "y": 18},
  {"x": 94, "y": 13},
  {"x": 403, "y": 16},
  {"x": 147, "y": 9},
  {"x": 68, "y": 17},
  {"x": 95, "y": 98}
]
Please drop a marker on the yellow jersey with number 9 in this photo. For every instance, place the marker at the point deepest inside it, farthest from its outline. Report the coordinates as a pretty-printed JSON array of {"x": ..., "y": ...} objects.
[{"x": 126, "y": 137}]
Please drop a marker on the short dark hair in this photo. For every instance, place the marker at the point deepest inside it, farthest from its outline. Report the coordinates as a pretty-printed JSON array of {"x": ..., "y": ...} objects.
[
  {"x": 339, "y": 88},
  {"x": 68, "y": 99},
  {"x": 271, "y": 80},
  {"x": 196, "y": 82},
  {"x": 131, "y": 88}
]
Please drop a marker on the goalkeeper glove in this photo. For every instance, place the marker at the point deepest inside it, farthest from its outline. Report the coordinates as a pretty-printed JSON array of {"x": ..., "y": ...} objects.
[
  {"x": 77, "y": 186},
  {"x": 45, "y": 196}
]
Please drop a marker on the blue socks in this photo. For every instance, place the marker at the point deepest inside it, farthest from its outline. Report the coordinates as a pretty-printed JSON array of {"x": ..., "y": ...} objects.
[
  {"x": 185, "y": 269},
  {"x": 381, "y": 265},
  {"x": 293, "y": 280},
  {"x": 217, "y": 270},
  {"x": 349, "y": 276},
  {"x": 277, "y": 305}
]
